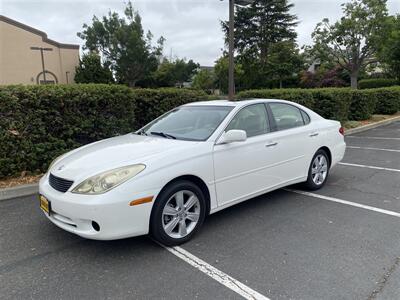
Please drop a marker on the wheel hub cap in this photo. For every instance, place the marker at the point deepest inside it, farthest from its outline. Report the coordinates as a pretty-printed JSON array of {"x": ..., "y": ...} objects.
[
  {"x": 181, "y": 214},
  {"x": 319, "y": 169}
]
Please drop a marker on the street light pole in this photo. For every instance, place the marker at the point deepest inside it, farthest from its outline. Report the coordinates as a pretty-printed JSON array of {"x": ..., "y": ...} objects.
[
  {"x": 231, "y": 89},
  {"x": 42, "y": 56},
  {"x": 231, "y": 38}
]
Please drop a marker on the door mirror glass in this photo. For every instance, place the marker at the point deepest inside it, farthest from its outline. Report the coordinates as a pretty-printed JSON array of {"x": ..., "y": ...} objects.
[{"x": 232, "y": 136}]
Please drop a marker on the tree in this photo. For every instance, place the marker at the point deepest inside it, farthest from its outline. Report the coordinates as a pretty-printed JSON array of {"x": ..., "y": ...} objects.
[
  {"x": 164, "y": 76},
  {"x": 390, "y": 52},
  {"x": 221, "y": 73},
  {"x": 91, "y": 70},
  {"x": 173, "y": 73},
  {"x": 184, "y": 71},
  {"x": 123, "y": 45},
  {"x": 353, "y": 41},
  {"x": 323, "y": 77},
  {"x": 204, "y": 80},
  {"x": 260, "y": 25},
  {"x": 285, "y": 61}
]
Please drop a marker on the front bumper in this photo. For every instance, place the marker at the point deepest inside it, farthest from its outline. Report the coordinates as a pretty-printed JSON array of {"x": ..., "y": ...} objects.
[{"x": 111, "y": 211}]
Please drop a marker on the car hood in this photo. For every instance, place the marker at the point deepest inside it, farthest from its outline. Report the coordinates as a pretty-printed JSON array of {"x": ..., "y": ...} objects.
[{"x": 113, "y": 153}]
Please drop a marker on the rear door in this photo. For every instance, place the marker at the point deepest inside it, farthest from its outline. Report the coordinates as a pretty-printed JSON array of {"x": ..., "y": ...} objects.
[{"x": 294, "y": 135}]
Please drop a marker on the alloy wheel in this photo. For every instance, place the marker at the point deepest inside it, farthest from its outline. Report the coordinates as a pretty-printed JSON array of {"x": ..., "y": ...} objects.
[
  {"x": 181, "y": 214},
  {"x": 319, "y": 169}
]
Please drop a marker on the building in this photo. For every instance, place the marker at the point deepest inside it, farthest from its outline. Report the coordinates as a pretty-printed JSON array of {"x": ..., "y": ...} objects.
[
  {"x": 23, "y": 59},
  {"x": 313, "y": 68}
]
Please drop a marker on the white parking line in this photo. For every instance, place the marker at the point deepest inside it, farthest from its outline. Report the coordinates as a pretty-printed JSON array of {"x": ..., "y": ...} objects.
[
  {"x": 376, "y": 149},
  {"x": 368, "y": 167},
  {"x": 372, "y": 137},
  {"x": 217, "y": 275},
  {"x": 376, "y": 209}
]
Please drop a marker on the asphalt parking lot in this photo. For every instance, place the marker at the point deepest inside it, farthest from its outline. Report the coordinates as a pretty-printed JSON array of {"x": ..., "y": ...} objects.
[{"x": 342, "y": 242}]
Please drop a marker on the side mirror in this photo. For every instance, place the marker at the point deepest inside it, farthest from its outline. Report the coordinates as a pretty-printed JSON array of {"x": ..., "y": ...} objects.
[{"x": 232, "y": 136}]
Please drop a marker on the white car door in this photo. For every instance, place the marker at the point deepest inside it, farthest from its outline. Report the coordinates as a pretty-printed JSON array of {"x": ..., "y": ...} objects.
[
  {"x": 296, "y": 141},
  {"x": 243, "y": 169}
]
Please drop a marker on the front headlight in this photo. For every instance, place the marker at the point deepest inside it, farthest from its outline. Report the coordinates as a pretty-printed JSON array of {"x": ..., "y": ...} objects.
[{"x": 108, "y": 180}]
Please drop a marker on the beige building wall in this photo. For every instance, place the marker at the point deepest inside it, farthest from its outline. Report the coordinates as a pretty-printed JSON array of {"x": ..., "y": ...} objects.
[{"x": 20, "y": 64}]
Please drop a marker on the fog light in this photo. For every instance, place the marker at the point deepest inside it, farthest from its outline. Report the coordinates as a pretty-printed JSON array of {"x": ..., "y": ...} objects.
[{"x": 95, "y": 226}]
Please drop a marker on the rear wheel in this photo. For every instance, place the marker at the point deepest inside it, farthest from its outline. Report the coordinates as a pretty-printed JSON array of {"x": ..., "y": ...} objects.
[
  {"x": 318, "y": 171},
  {"x": 178, "y": 213}
]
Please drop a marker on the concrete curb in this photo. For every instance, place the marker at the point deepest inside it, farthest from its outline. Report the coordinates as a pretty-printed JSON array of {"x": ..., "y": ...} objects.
[
  {"x": 371, "y": 126},
  {"x": 19, "y": 191}
]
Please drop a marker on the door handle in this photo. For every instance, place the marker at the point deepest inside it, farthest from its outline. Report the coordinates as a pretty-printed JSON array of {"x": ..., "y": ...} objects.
[
  {"x": 314, "y": 134},
  {"x": 271, "y": 144}
]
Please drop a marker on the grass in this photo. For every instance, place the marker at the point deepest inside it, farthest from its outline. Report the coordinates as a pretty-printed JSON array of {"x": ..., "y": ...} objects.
[
  {"x": 20, "y": 180},
  {"x": 373, "y": 119}
]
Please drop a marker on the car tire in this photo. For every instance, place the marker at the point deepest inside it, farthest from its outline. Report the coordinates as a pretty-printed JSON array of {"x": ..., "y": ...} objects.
[
  {"x": 172, "y": 221},
  {"x": 318, "y": 171}
]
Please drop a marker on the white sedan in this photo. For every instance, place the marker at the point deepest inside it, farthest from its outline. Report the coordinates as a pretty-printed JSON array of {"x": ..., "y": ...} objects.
[{"x": 192, "y": 161}]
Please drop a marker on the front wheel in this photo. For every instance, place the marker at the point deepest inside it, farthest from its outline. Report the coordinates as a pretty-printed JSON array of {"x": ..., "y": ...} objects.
[
  {"x": 318, "y": 171},
  {"x": 178, "y": 213}
]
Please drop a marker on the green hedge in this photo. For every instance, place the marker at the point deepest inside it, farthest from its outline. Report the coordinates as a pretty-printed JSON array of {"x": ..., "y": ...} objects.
[
  {"x": 337, "y": 103},
  {"x": 387, "y": 100},
  {"x": 151, "y": 103},
  {"x": 377, "y": 83},
  {"x": 38, "y": 123}
]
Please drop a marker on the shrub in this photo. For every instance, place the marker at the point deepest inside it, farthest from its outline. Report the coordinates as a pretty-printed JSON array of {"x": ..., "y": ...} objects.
[
  {"x": 337, "y": 103},
  {"x": 151, "y": 103},
  {"x": 377, "y": 83},
  {"x": 387, "y": 100},
  {"x": 331, "y": 103},
  {"x": 38, "y": 123},
  {"x": 362, "y": 105}
]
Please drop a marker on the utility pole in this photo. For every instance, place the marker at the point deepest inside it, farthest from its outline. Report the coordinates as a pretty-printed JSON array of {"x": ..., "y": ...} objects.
[
  {"x": 232, "y": 3},
  {"x": 231, "y": 89},
  {"x": 41, "y": 49}
]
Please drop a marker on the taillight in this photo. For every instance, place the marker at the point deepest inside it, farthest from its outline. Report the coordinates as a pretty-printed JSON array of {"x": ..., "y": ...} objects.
[{"x": 341, "y": 130}]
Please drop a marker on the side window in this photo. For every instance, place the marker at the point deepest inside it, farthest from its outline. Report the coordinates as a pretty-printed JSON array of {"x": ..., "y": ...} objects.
[
  {"x": 286, "y": 116},
  {"x": 306, "y": 117},
  {"x": 253, "y": 119}
]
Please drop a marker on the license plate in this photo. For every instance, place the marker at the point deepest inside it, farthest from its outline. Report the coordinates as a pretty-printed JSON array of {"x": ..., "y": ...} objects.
[{"x": 45, "y": 204}]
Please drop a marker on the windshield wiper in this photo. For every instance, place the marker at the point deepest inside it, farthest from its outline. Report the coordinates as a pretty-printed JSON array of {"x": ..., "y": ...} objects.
[{"x": 163, "y": 134}]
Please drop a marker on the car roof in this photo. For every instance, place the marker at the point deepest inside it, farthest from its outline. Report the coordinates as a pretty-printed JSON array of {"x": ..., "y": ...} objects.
[{"x": 233, "y": 103}]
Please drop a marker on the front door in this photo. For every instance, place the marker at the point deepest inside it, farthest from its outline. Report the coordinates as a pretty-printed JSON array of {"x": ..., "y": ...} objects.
[{"x": 243, "y": 169}]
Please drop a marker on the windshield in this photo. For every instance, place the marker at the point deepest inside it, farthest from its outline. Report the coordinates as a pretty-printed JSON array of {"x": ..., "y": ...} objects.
[{"x": 195, "y": 123}]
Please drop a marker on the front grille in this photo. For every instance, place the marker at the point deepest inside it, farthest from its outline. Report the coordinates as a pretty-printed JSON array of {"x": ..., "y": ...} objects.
[{"x": 59, "y": 184}]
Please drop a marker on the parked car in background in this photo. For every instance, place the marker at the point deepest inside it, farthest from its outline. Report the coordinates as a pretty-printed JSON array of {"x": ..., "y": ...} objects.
[{"x": 192, "y": 161}]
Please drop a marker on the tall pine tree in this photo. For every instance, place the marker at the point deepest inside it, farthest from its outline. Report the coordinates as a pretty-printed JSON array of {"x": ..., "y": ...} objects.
[{"x": 260, "y": 25}]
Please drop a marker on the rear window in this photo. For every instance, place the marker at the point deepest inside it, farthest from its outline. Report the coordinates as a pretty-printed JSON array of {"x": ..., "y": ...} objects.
[{"x": 286, "y": 116}]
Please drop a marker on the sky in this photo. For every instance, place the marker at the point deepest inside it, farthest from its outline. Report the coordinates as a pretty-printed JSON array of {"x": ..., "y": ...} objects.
[{"x": 191, "y": 27}]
